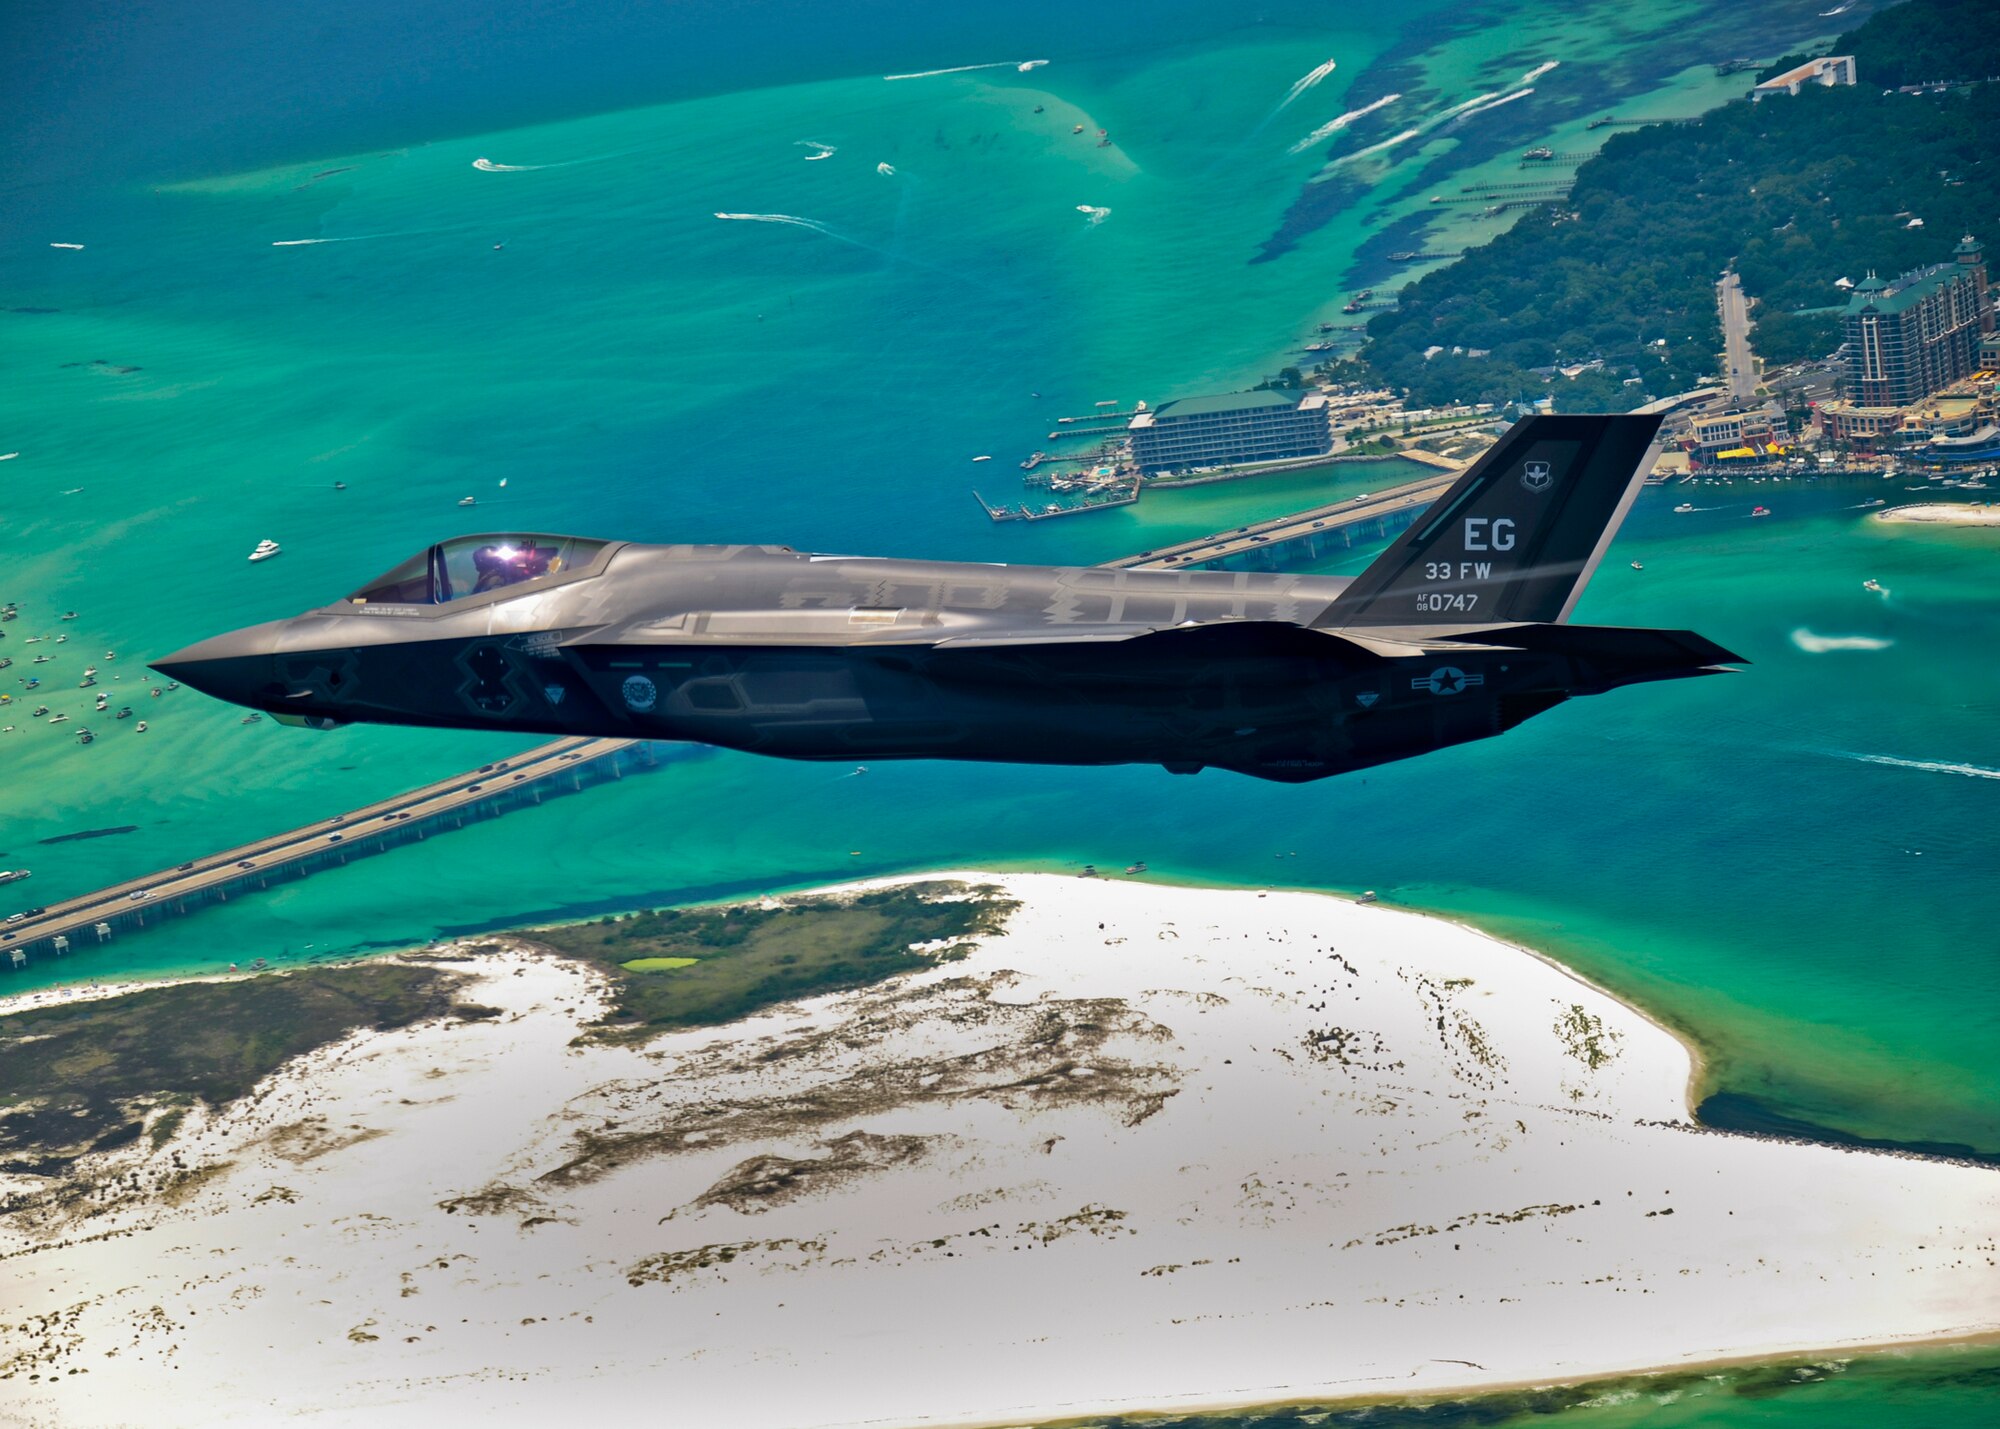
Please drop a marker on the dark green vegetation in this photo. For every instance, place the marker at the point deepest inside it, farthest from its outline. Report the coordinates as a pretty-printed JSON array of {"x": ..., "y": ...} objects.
[
  {"x": 1926, "y": 41},
  {"x": 752, "y": 956},
  {"x": 1934, "y": 1389},
  {"x": 87, "y": 1076},
  {"x": 1794, "y": 192}
]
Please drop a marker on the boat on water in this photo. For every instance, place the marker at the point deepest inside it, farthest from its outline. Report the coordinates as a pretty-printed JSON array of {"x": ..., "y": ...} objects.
[
  {"x": 1873, "y": 585},
  {"x": 982, "y": 458},
  {"x": 14, "y": 875},
  {"x": 1684, "y": 508},
  {"x": 265, "y": 550},
  {"x": 84, "y": 736},
  {"x": 340, "y": 486},
  {"x": 251, "y": 719},
  {"x": 90, "y": 669},
  {"x": 125, "y": 713},
  {"x": 1637, "y": 566},
  {"x": 1077, "y": 130},
  {"x": 40, "y": 710},
  {"x": 1761, "y": 511},
  {"x": 467, "y": 501},
  {"x": 5, "y": 661},
  {"x": 43, "y": 659},
  {"x": 69, "y": 615},
  {"x": 59, "y": 719},
  {"x": 139, "y": 728}
]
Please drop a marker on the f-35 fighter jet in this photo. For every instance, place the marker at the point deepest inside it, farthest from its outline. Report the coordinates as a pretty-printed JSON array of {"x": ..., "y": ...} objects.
[{"x": 1457, "y": 632}]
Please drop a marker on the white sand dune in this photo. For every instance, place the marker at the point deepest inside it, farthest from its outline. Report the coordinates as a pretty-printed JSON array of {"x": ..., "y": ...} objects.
[
  {"x": 1149, "y": 1148},
  {"x": 1943, "y": 513}
]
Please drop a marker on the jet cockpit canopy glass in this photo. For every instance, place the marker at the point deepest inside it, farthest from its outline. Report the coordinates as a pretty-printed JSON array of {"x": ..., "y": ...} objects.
[{"x": 475, "y": 565}]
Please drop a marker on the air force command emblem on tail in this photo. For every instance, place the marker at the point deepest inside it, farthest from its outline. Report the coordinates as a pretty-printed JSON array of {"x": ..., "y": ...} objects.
[{"x": 1536, "y": 476}]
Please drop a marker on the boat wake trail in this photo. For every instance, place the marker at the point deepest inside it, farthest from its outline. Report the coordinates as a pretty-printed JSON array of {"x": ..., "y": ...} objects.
[
  {"x": 1495, "y": 104},
  {"x": 1334, "y": 126},
  {"x": 1097, "y": 215},
  {"x": 1022, "y": 65},
  {"x": 350, "y": 238},
  {"x": 826, "y": 151},
  {"x": 76, "y": 246},
  {"x": 1928, "y": 766},
  {"x": 487, "y": 166},
  {"x": 814, "y": 224},
  {"x": 1813, "y": 644},
  {"x": 1305, "y": 82},
  {"x": 1539, "y": 70},
  {"x": 1331, "y": 169}
]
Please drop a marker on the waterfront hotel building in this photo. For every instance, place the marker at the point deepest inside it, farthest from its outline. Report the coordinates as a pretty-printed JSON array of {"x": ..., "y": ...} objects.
[
  {"x": 1909, "y": 338},
  {"x": 1230, "y": 430}
]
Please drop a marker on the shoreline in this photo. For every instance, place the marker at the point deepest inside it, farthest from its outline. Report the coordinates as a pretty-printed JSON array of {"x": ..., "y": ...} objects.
[
  {"x": 1116, "y": 1136},
  {"x": 1847, "y": 1353},
  {"x": 1941, "y": 513}
]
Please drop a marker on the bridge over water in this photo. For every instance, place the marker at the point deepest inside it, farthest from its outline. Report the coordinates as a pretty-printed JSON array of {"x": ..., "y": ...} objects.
[{"x": 562, "y": 767}]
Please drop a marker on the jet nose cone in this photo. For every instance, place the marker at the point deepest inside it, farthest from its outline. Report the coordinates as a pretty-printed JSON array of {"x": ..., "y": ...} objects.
[{"x": 239, "y": 667}]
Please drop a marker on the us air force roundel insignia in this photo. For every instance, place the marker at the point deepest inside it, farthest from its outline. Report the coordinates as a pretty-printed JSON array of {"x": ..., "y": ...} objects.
[
  {"x": 1446, "y": 680},
  {"x": 640, "y": 693},
  {"x": 1535, "y": 475}
]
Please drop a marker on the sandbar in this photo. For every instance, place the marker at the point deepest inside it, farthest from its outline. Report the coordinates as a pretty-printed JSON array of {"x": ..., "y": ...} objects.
[{"x": 1147, "y": 1148}]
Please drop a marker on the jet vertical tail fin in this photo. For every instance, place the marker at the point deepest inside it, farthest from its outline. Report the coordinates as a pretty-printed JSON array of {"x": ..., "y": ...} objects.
[{"x": 1518, "y": 536}]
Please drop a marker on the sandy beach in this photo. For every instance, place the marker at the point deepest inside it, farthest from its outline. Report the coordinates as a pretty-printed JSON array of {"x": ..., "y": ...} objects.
[
  {"x": 1150, "y": 1147},
  {"x": 1942, "y": 513}
]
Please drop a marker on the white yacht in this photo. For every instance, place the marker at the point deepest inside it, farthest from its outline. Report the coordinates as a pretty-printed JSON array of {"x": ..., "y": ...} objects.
[{"x": 265, "y": 550}]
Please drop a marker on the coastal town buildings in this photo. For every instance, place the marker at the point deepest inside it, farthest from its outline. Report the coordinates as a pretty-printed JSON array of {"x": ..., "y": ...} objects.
[
  {"x": 1726, "y": 430},
  {"x": 1963, "y": 417},
  {"x": 1828, "y": 70},
  {"x": 1231, "y": 429},
  {"x": 1918, "y": 334}
]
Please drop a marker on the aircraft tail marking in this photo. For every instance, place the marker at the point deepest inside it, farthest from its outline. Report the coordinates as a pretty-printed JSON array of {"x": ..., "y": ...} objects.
[{"x": 1518, "y": 536}]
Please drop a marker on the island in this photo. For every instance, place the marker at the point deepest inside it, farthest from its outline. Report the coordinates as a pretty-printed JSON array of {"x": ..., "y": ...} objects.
[{"x": 821, "y": 1158}]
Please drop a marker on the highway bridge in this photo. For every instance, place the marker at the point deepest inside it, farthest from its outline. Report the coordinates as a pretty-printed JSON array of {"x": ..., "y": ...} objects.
[
  {"x": 1303, "y": 535},
  {"x": 562, "y": 767}
]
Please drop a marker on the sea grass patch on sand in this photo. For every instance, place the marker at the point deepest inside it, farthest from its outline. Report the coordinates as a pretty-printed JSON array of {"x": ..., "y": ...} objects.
[
  {"x": 86, "y": 1076},
  {"x": 676, "y": 968}
]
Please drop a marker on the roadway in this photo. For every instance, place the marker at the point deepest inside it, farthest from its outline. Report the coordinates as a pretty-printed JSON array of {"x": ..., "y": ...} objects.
[
  {"x": 1739, "y": 367},
  {"x": 215, "y": 872},
  {"x": 1369, "y": 506}
]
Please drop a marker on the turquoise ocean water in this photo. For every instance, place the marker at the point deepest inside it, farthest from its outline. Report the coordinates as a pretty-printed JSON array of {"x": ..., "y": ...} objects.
[{"x": 1790, "y": 864}]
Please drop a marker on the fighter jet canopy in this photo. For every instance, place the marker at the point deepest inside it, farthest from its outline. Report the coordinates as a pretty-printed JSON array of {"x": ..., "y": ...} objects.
[{"x": 476, "y": 565}]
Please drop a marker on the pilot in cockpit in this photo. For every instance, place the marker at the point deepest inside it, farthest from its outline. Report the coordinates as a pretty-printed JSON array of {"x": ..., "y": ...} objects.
[{"x": 497, "y": 566}]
